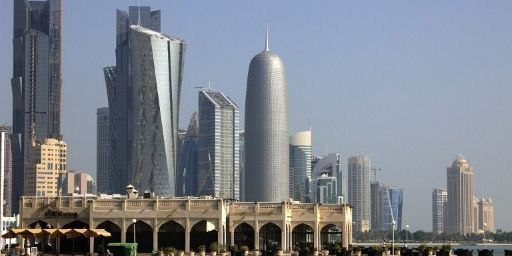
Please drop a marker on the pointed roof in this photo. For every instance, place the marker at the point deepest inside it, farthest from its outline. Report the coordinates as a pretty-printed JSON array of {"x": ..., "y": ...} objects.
[{"x": 266, "y": 40}]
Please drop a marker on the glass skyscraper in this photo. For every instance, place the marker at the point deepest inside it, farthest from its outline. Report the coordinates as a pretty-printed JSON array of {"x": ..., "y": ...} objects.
[
  {"x": 359, "y": 191},
  {"x": 324, "y": 184},
  {"x": 187, "y": 172},
  {"x": 392, "y": 204},
  {"x": 103, "y": 171},
  {"x": 300, "y": 164}
]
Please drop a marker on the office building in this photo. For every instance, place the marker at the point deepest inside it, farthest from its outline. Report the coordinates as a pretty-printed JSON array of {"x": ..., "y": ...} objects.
[
  {"x": 5, "y": 170},
  {"x": 78, "y": 182},
  {"x": 486, "y": 214},
  {"x": 359, "y": 191},
  {"x": 392, "y": 205},
  {"x": 119, "y": 82},
  {"x": 241, "y": 138},
  {"x": 103, "y": 150},
  {"x": 188, "y": 169},
  {"x": 46, "y": 168},
  {"x": 300, "y": 164},
  {"x": 36, "y": 82},
  {"x": 266, "y": 130},
  {"x": 460, "y": 197},
  {"x": 324, "y": 184},
  {"x": 439, "y": 204},
  {"x": 376, "y": 205},
  {"x": 219, "y": 173}
]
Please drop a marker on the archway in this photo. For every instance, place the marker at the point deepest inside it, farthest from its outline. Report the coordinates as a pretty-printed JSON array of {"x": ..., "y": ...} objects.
[
  {"x": 43, "y": 244},
  {"x": 302, "y": 236},
  {"x": 171, "y": 234},
  {"x": 143, "y": 236},
  {"x": 270, "y": 238},
  {"x": 203, "y": 233},
  {"x": 100, "y": 243},
  {"x": 78, "y": 244},
  {"x": 244, "y": 235},
  {"x": 330, "y": 234}
]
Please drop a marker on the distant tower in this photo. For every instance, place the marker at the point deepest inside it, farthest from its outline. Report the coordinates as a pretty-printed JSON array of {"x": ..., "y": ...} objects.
[
  {"x": 300, "y": 164},
  {"x": 103, "y": 171},
  {"x": 376, "y": 205},
  {"x": 242, "y": 165},
  {"x": 218, "y": 145},
  {"x": 5, "y": 170},
  {"x": 188, "y": 169},
  {"x": 266, "y": 130},
  {"x": 486, "y": 210},
  {"x": 359, "y": 191},
  {"x": 392, "y": 203},
  {"x": 460, "y": 197},
  {"x": 324, "y": 184},
  {"x": 439, "y": 200}
]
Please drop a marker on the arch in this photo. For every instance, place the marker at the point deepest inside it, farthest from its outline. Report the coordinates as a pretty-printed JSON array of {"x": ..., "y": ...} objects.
[
  {"x": 330, "y": 234},
  {"x": 39, "y": 224},
  {"x": 270, "y": 237},
  {"x": 100, "y": 243},
  {"x": 303, "y": 236},
  {"x": 203, "y": 233},
  {"x": 244, "y": 235},
  {"x": 74, "y": 244},
  {"x": 143, "y": 236},
  {"x": 171, "y": 234}
]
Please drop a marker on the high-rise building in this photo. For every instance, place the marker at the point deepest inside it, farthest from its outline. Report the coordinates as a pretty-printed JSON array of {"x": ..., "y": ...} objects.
[
  {"x": 460, "y": 197},
  {"x": 476, "y": 216},
  {"x": 46, "y": 168},
  {"x": 219, "y": 173},
  {"x": 486, "y": 214},
  {"x": 5, "y": 171},
  {"x": 324, "y": 184},
  {"x": 376, "y": 205},
  {"x": 359, "y": 191},
  {"x": 76, "y": 182},
  {"x": 188, "y": 169},
  {"x": 156, "y": 64},
  {"x": 103, "y": 171},
  {"x": 266, "y": 130},
  {"x": 439, "y": 204},
  {"x": 300, "y": 164},
  {"x": 392, "y": 205},
  {"x": 242, "y": 165},
  {"x": 119, "y": 81},
  {"x": 36, "y": 82}
]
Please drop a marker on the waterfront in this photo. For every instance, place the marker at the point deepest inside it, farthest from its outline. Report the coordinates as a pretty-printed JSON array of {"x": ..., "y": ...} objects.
[{"x": 499, "y": 249}]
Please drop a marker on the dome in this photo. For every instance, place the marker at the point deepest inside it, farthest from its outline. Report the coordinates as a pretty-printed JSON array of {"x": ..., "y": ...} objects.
[{"x": 460, "y": 161}]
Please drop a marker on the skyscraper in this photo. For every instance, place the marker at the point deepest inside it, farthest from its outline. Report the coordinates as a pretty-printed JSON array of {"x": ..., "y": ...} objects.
[
  {"x": 219, "y": 173},
  {"x": 359, "y": 191},
  {"x": 300, "y": 164},
  {"x": 486, "y": 214},
  {"x": 36, "y": 82},
  {"x": 324, "y": 184},
  {"x": 188, "y": 169},
  {"x": 460, "y": 197},
  {"x": 242, "y": 165},
  {"x": 392, "y": 205},
  {"x": 376, "y": 205},
  {"x": 266, "y": 129},
  {"x": 79, "y": 183},
  {"x": 103, "y": 171},
  {"x": 439, "y": 200},
  {"x": 156, "y": 64},
  {"x": 5, "y": 170},
  {"x": 118, "y": 80}
]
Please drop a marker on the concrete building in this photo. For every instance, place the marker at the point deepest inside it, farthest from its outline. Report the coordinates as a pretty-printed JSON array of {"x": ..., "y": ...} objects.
[
  {"x": 47, "y": 166},
  {"x": 359, "y": 191},
  {"x": 486, "y": 214},
  {"x": 36, "y": 81},
  {"x": 324, "y": 184},
  {"x": 300, "y": 164},
  {"x": 188, "y": 169},
  {"x": 439, "y": 204},
  {"x": 242, "y": 165},
  {"x": 185, "y": 224},
  {"x": 376, "y": 205},
  {"x": 103, "y": 150},
  {"x": 76, "y": 182},
  {"x": 5, "y": 170},
  {"x": 460, "y": 197},
  {"x": 266, "y": 130},
  {"x": 219, "y": 148},
  {"x": 391, "y": 207}
]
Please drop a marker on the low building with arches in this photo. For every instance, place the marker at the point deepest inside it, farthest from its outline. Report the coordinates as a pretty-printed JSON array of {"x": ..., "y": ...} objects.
[{"x": 187, "y": 223}]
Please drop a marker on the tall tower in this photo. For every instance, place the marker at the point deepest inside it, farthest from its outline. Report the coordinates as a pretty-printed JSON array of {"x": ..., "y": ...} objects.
[
  {"x": 36, "y": 82},
  {"x": 460, "y": 197},
  {"x": 103, "y": 171},
  {"x": 359, "y": 191},
  {"x": 118, "y": 80},
  {"x": 392, "y": 204},
  {"x": 5, "y": 171},
  {"x": 218, "y": 145},
  {"x": 266, "y": 129},
  {"x": 156, "y": 65},
  {"x": 300, "y": 164},
  {"x": 188, "y": 169},
  {"x": 439, "y": 200}
]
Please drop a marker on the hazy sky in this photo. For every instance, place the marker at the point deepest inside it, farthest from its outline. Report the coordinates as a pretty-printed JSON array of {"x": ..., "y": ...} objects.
[{"x": 409, "y": 83}]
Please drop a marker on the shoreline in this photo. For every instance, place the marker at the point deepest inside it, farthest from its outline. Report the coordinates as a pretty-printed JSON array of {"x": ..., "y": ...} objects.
[{"x": 401, "y": 244}]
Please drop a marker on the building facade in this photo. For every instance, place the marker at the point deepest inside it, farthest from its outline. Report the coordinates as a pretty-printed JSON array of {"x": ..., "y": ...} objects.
[
  {"x": 300, "y": 164},
  {"x": 46, "y": 168},
  {"x": 5, "y": 170},
  {"x": 486, "y": 214},
  {"x": 460, "y": 197},
  {"x": 156, "y": 64},
  {"x": 103, "y": 150},
  {"x": 36, "y": 82},
  {"x": 266, "y": 130},
  {"x": 76, "y": 182},
  {"x": 188, "y": 163},
  {"x": 439, "y": 204},
  {"x": 391, "y": 207},
  {"x": 359, "y": 191},
  {"x": 376, "y": 205},
  {"x": 324, "y": 184},
  {"x": 219, "y": 148},
  {"x": 186, "y": 224}
]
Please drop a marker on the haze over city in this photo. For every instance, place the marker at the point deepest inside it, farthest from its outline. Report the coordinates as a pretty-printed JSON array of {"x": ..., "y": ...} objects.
[{"x": 409, "y": 84}]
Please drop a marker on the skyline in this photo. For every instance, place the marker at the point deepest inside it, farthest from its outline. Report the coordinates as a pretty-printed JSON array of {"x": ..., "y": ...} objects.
[{"x": 428, "y": 59}]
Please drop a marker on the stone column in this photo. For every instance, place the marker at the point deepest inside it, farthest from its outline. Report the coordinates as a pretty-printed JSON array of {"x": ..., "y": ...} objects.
[
  {"x": 232, "y": 237},
  {"x": 187, "y": 235},
  {"x": 155, "y": 239},
  {"x": 284, "y": 232},
  {"x": 123, "y": 231},
  {"x": 220, "y": 232},
  {"x": 256, "y": 235},
  {"x": 91, "y": 245},
  {"x": 316, "y": 236}
]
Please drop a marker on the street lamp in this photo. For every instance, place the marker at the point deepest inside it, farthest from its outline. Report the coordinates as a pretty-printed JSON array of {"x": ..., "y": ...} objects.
[
  {"x": 406, "y": 234},
  {"x": 393, "y": 242},
  {"x": 134, "y": 221}
]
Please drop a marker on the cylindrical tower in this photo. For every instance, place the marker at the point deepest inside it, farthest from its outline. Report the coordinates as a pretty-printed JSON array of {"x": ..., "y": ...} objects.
[{"x": 266, "y": 130}]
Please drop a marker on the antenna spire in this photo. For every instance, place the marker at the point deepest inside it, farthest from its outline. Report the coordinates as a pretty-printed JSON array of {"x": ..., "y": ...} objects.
[
  {"x": 266, "y": 40},
  {"x": 138, "y": 11}
]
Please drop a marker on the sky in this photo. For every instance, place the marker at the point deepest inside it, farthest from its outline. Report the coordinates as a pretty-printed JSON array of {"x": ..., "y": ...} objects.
[{"x": 409, "y": 83}]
